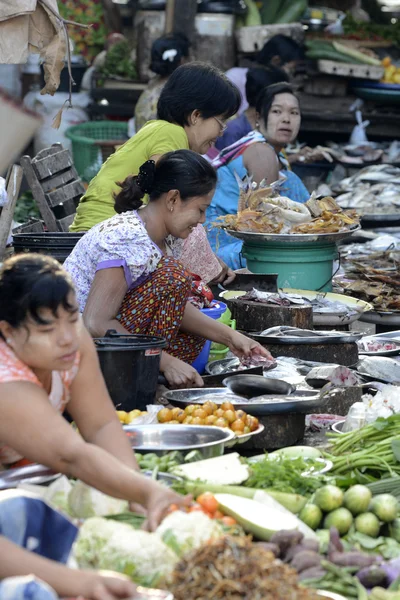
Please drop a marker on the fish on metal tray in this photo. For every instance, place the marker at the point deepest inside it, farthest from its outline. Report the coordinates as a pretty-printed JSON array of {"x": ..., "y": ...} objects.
[
  {"x": 286, "y": 331},
  {"x": 338, "y": 375},
  {"x": 380, "y": 367}
]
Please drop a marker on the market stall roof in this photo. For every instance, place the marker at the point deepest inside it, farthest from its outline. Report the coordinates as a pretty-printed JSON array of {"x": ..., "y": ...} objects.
[{"x": 33, "y": 26}]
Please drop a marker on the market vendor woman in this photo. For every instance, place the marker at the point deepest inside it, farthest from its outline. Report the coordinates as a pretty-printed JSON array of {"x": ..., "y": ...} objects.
[
  {"x": 49, "y": 364},
  {"x": 260, "y": 154},
  {"x": 127, "y": 271}
]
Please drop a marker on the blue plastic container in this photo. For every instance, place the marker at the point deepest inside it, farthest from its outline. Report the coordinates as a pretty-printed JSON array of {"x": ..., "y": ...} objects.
[{"x": 215, "y": 311}]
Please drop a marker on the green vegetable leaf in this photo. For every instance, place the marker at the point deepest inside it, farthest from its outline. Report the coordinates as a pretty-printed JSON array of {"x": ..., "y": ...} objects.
[
  {"x": 381, "y": 423},
  {"x": 396, "y": 449}
]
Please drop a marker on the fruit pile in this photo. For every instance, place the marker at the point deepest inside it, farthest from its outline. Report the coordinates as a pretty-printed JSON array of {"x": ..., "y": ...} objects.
[
  {"x": 392, "y": 73},
  {"x": 209, "y": 413},
  {"x": 126, "y": 418},
  {"x": 356, "y": 506}
]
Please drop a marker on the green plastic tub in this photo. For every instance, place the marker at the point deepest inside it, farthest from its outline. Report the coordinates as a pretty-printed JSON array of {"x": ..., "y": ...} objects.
[
  {"x": 304, "y": 266},
  {"x": 87, "y": 148},
  {"x": 219, "y": 351}
]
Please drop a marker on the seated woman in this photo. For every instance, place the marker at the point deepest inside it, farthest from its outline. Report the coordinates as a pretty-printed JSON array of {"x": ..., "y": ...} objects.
[
  {"x": 167, "y": 54},
  {"x": 259, "y": 154},
  {"x": 257, "y": 80},
  {"x": 127, "y": 273},
  {"x": 48, "y": 363},
  {"x": 193, "y": 107}
]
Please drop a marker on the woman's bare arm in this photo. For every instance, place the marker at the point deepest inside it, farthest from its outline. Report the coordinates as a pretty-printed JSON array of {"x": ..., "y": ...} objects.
[
  {"x": 92, "y": 409},
  {"x": 32, "y": 427},
  {"x": 261, "y": 162},
  {"x": 18, "y": 562},
  {"x": 106, "y": 295}
]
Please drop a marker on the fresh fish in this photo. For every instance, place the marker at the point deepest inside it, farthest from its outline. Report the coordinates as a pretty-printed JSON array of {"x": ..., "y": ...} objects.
[
  {"x": 380, "y": 367},
  {"x": 337, "y": 375}
]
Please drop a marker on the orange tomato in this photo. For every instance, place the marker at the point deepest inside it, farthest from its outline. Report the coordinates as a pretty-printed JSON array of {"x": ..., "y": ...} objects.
[
  {"x": 208, "y": 502},
  {"x": 188, "y": 420},
  {"x": 252, "y": 422},
  {"x": 240, "y": 414},
  {"x": 210, "y": 420},
  {"x": 200, "y": 412},
  {"x": 218, "y": 514},
  {"x": 238, "y": 426},
  {"x": 197, "y": 421},
  {"x": 219, "y": 413},
  {"x": 190, "y": 409},
  {"x": 174, "y": 422},
  {"x": 178, "y": 414},
  {"x": 164, "y": 415},
  {"x": 221, "y": 422},
  {"x": 173, "y": 508},
  {"x": 229, "y": 521},
  {"x": 230, "y": 416},
  {"x": 209, "y": 407},
  {"x": 227, "y": 406}
]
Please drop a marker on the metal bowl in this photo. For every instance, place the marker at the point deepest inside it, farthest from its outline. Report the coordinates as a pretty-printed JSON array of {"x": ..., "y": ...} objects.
[
  {"x": 163, "y": 438},
  {"x": 251, "y": 386},
  {"x": 338, "y": 426},
  {"x": 30, "y": 474}
]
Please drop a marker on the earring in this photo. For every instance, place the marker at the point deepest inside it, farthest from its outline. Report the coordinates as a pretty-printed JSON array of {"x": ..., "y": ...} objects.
[
  {"x": 257, "y": 125},
  {"x": 171, "y": 209},
  {"x": 8, "y": 341}
]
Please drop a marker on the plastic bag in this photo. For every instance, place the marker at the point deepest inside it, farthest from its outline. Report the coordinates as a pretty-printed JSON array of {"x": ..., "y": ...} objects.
[
  {"x": 359, "y": 135},
  {"x": 3, "y": 192},
  {"x": 336, "y": 28}
]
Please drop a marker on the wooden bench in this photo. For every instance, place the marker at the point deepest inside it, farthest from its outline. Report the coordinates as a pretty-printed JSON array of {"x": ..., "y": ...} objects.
[{"x": 55, "y": 185}]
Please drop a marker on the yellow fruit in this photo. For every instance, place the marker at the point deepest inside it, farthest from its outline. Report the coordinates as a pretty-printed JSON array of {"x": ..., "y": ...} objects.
[
  {"x": 390, "y": 71},
  {"x": 134, "y": 414},
  {"x": 122, "y": 416},
  {"x": 386, "y": 62},
  {"x": 396, "y": 78}
]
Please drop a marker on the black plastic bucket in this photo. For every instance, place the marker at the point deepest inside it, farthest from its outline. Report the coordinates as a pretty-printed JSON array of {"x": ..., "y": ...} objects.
[
  {"x": 59, "y": 245},
  {"x": 130, "y": 365}
]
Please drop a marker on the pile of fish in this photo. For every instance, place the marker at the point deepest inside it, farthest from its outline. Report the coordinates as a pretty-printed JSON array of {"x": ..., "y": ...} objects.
[
  {"x": 374, "y": 190},
  {"x": 320, "y": 304},
  {"x": 262, "y": 210},
  {"x": 372, "y": 276},
  {"x": 286, "y": 331},
  {"x": 374, "y": 345}
]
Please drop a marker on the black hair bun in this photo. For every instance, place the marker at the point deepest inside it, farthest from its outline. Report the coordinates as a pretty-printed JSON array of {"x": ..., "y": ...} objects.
[{"x": 146, "y": 176}]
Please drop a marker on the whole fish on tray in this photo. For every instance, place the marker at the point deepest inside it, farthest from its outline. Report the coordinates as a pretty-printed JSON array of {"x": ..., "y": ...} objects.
[
  {"x": 286, "y": 331},
  {"x": 380, "y": 367}
]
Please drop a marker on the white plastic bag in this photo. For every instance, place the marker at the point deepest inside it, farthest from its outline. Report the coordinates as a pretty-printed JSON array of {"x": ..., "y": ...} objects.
[
  {"x": 336, "y": 28},
  {"x": 3, "y": 192},
  {"x": 359, "y": 135}
]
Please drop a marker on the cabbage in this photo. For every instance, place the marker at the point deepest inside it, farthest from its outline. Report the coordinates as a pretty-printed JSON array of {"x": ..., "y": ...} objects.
[
  {"x": 85, "y": 502},
  {"x": 183, "y": 532},
  {"x": 106, "y": 544},
  {"x": 57, "y": 494}
]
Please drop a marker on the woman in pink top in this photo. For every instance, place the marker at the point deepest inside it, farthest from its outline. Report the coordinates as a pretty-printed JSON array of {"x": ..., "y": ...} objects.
[{"x": 48, "y": 363}]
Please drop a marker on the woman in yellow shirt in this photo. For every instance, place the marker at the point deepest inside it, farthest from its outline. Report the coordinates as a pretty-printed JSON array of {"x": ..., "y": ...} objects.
[{"x": 192, "y": 110}]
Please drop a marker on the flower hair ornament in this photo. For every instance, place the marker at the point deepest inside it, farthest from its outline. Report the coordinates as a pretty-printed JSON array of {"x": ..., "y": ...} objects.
[
  {"x": 170, "y": 54},
  {"x": 145, "y": 179}
]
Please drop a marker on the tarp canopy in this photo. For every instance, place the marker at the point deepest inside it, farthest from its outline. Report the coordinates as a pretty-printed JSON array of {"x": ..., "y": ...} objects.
[{"x": 32, "y": 26}]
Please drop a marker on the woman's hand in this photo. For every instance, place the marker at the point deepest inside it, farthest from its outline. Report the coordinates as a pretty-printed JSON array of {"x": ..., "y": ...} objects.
[
  {"x": 245, "y": 347},
  {"x": 159, "y": 503},
  {"x": 107, "y": 586},
  {"x": 178, "y": 373},
  {"x": 226, "y": 276}
]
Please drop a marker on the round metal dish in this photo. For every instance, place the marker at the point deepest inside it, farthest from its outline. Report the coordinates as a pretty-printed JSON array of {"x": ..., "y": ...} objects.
[
  {"x": 339, "y": 338},
  {"x": 300, "y": 402},
  {"x": 384, "y": 318},
  {"x": 291, "y": 238},
  {"x": 225, "y": 366},
  {"x": 162, "y": 438},
  {"x": 30, "y": 474},
  {"x": 251, "y": 386},
  {"x": 393, "y": 352},
  {"x": 338, "y": 426},
  {"x": 245, "y": 437},
  {"x": 182, "y": 398}
]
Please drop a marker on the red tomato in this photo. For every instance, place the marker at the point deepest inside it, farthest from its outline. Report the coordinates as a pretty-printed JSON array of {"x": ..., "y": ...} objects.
[
  {"x": 228, "y": 521},
  {"x": 208, "y": 502}
]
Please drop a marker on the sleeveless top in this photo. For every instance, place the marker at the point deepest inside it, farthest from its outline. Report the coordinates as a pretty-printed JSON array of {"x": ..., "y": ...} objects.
[{"x": 13, "y": 369}]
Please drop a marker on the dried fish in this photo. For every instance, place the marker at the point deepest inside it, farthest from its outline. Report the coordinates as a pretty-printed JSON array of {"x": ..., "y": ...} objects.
[
  {"x": 235, "y": 569},
  {"x": 381, "y": 367}
]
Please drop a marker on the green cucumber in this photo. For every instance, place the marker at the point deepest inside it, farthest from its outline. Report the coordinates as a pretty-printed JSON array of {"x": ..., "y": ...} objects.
[
  {"x": 356, "y": 55},
  {"x": 293, "y": 502},
  {"x": 330, "y": 55},
  {"x": 292, "y": 12}
]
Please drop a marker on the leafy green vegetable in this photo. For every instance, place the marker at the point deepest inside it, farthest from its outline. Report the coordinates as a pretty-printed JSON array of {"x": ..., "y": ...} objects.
[
  {"x": 283, "y": 475},
  {"x": 26, "y": 208},
  {"x": 118, "y": 62},
  {"x": 386, "y": 547}
]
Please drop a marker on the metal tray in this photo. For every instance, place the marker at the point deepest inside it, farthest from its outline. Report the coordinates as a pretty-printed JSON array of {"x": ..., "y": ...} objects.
[
  {"x": 301, "y": 402},
  {"x": 30, "y": 474},
  {"x": 393, "y": 352},
  {"x": 213, "y": 367},
  {"x": 381, "y": 318},
  {"x": 298, "y": 341},
  {"x": 290, "y": 238},
  {"x": 182, "y": 398}
]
